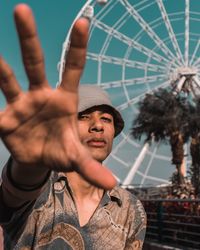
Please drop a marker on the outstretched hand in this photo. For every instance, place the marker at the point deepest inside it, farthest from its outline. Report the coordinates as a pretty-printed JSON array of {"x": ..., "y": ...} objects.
[{"x": 39, "y": 127}]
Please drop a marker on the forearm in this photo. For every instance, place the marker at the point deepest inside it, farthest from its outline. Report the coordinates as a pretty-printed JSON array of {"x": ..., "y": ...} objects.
[
  {"x": 22, "y": 183},
  {"x": 29, "y": 177}
]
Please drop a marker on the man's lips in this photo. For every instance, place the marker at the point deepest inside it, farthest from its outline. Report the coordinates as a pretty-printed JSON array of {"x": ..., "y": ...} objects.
[{"x": 96, "y": 143}]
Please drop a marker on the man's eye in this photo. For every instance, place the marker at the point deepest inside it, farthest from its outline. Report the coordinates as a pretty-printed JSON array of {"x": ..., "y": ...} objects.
[
  {"x": 83, "y": 117},
  {"x": 106, "y": 119}
]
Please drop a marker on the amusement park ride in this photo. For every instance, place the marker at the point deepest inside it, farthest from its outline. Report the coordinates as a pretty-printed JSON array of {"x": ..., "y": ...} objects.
[{"x": 137, "y": 47}]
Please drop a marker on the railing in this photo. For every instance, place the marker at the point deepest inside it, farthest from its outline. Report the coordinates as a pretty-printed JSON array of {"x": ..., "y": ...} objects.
[{"x": 173, "y": 222}]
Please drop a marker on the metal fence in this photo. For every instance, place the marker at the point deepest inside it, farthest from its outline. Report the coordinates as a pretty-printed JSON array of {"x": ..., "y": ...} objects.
[{"x": 173, "y": 222}]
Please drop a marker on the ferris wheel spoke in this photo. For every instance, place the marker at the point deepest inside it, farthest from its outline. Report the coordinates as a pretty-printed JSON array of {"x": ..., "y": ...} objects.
[
  {"x": 196, "y": 63},
  {"x": 187, "y": 16},
  {"x": 120, "y": 160},
  {"x": 133, "y": 81},
  {"x": 106, "y": 9},
  {"x": 130, "y": 42},
  {"x": 153, "y": 178},
  {"x": 196, "y": 81},
  {"x": 194, "y": 53},
  {"x": 195, "y": 89},
  {"x": 145, "y": 26},
  {"x": 123, "y": 86},
  {"x": 121, "y": 143},
  {"x": 139, "y": 97},
  {"x": 121, "y": 21},
  {"x": 157, "y": 156},
  {"x": 170, "y": 30},
  {"x": 150, "y": 162},
  {"x": 127, "y": 63},
  {"x": 144, "y": 3},
  {"x": 132, "y": 142},
  {"x": 136, "y": 165},
  {"x": 108, "y": 39},
  {"x": 101, "y": 14},
  {"x": 198, "y": 75}
]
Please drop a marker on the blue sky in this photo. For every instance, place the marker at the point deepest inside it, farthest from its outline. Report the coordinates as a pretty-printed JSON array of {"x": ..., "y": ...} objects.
[{"x": 53, "y": 20}]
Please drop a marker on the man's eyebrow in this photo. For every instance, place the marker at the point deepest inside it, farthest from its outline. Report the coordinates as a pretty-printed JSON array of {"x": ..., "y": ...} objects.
[
  {"x": 108, "y": 113},
  {"x": 105, "y": 112}
]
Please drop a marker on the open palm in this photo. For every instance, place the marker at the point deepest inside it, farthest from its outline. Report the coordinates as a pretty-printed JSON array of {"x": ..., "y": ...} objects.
[{"x": 39, "y": 127}]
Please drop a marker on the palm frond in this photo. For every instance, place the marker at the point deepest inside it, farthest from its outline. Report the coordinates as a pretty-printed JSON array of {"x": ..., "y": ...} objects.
[{"x": 161, "y": 113}]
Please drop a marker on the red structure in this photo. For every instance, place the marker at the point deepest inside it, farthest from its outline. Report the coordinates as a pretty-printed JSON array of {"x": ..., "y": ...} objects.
[{"x": 1, "y": 239}]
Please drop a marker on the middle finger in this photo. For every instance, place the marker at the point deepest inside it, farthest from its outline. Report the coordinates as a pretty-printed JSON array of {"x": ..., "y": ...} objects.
[{"x": 76, "y": 56}]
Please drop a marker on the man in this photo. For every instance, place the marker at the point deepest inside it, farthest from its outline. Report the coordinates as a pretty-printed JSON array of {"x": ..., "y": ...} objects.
[{"x": 55, "y": 192}]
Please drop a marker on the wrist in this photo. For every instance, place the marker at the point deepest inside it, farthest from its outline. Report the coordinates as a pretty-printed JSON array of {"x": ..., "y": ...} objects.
[
  {"x": 24, "y": 187},
  {"x": 14, "y": 188}
]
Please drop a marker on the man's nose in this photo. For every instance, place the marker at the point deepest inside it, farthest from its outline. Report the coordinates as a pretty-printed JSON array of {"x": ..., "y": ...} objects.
[{"x": 96, "y": 125}]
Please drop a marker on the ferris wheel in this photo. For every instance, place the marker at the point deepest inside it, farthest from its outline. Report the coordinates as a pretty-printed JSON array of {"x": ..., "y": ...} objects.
[{"x": 136, "y": 47}]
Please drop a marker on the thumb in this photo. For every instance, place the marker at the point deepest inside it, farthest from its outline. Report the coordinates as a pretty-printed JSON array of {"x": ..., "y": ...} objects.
[{"x": 96, "y": 173}]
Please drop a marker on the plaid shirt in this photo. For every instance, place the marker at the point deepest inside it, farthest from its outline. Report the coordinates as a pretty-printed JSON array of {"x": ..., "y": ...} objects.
[{"x": 51, "y": 222}]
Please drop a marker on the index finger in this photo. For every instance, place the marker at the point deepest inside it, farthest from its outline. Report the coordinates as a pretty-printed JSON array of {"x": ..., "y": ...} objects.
[
  {"x": 32, "y": 53},
  {"x": 76, "y": 56}
]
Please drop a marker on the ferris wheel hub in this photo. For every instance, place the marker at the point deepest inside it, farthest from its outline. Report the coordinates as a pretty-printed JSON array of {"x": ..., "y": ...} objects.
[
  {"x": 186, "y": 71},
  {"x": 182, "y": 77}
]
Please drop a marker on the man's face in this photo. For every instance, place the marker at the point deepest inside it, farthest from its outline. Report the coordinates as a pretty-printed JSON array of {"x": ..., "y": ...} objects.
[{"x": 96, "y": 131}]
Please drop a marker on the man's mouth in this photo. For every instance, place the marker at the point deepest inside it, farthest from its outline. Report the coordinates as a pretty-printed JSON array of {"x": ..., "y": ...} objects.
[{"x": 99, "y": 143}]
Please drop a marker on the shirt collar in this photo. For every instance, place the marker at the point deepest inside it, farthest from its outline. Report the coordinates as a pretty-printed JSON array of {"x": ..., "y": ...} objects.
[
  {"x": 115, "y": 195},
  {"x": 112, "y": 195}
]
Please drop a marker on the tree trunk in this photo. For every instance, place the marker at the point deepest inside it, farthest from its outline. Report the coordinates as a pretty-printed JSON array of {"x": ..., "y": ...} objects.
[
  {"x": 177, "y": 148},
  {"x": 195, "y": 167}
]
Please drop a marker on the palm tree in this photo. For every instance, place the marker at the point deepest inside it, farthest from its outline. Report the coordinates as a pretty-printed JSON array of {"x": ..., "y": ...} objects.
[
  {"x": 195, "y": 166},
  {"x": 165, "y": 117},
  {"x": 194, "y": 125}
]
